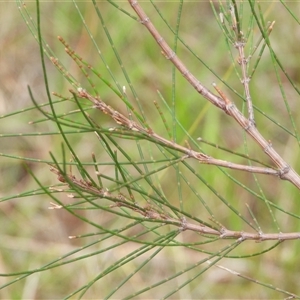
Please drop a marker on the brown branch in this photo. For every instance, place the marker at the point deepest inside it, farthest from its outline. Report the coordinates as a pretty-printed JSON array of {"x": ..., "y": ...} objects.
[
  {"x": 285, "y": 170},
  {"x": 151, "y": 213},
  {"x": 150, "y": 134},
  {"x": 171, "y": 55}
]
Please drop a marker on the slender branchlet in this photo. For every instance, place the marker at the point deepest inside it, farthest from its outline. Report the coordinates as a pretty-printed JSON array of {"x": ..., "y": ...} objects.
[
  {"x": 291, "y": 295},
  {"x": 129, "y": 124},
  {"x": 153, "y": 214}
]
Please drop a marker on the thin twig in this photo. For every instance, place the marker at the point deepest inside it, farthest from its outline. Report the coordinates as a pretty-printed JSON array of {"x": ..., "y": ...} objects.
[
  {"x": 245, "y": 81},
  {"x": 151, "y": 213},
  {"x": 292, "y": 296},
  {"x": 120, "y": 119}
]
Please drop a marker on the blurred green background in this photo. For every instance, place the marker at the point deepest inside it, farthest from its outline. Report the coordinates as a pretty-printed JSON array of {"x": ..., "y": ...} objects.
[{"x": 32, "y": 235}]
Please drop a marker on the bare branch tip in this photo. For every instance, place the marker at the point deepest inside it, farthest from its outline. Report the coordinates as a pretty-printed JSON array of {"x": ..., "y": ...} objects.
[{"x": 54, "y": 206}]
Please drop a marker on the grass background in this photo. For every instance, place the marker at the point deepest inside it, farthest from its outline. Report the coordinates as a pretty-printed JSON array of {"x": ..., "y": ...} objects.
[{"x": 33, "y": 235}]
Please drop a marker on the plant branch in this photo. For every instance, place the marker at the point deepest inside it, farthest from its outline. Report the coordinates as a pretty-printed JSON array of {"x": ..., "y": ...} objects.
[
  {"x": 120, "y": 119},
  {"x": 240, "y": 45},
  {"x": 292, "y": 296},
  {"x": 285, "y": 170},
  {"x": 152, "y": 214}
]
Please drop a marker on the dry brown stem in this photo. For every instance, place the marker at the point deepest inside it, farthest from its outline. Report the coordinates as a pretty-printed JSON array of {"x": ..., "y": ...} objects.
[
  {"x": 285, "y": 171},
  {"x": 120, "y": 119},
  {"x": 151, "y": 213}
]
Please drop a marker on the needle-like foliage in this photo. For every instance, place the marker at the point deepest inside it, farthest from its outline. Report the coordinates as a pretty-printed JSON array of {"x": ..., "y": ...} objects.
[{"x": 162, "y": 154}]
